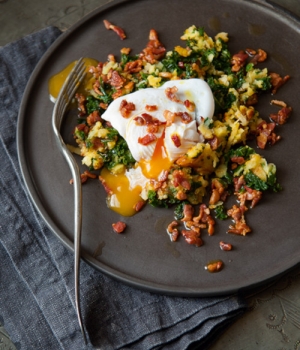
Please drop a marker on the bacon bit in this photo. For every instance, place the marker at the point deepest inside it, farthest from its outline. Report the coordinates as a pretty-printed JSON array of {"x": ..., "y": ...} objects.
[
  {"x": 266, "y": 134},
  {"x": 169, "y": 116},
  {"x": 238, "y": 61},
  {"x": 119, "y": 226},
  {"x": 218, "y": 192},
  {"x": 139, "y": 205},
  {"x": 238, "y": 160},
  {"x": 96, "y": 86},
  {"x": 103, "y": 105},
  {"x": 205, "y": 217},
  {"x": 252, "y": 100},
  {"x": 188, "y": 212},
  {"x": 133, "y": 66},
  {"x": 192, "y": 237},
  {"x": 139, "y": 121},
  {"x": 225, "y": 246},
  {"x": 250, "y": 52},
  {"x": 116, "y": 29},
  {"x": 189, "y": 105},
  {"x": 116, "y": 80},
  {"x": 126, "y": 108},
  {"x": 163, "y": 176},
  {"x": 151, "y": 108},
  {"x": 278, "y": 103},
  {"x": 173, "y": 231},
  {"x": 125, "y": 50},
  {"x": 81, "y": 102},
  {"x": 249, "y": 195},
  {"x": 282, "y": 116},
  {"x": 181, "y": 195},
  {"x": 214, "y": 143},
  {"x": 171, "y": 94},
  {"x": 277, "y": 81},
  {"x": 240, "y": 227},
  {"x": 185, "y": 117},
  {"x": 83, "y": 179},
  {"x": 260, "y": 56},
  {"x": 166, "y": 75},
  {"x": 215, "y": 266},
  {"x": 180, "y": 179},
  {"x": 176, "y": 140},
  {"x": 104, "y": 184},
  {"x": 82, "y": 127},
  {"x": 154, "y": 50},
  {"x": 90, "y": 175},
  {"x": 238, "y": 182},
  {"x": 93, "y": 118},
  {"x": 97, "y": 143},
  {"x": 145, "y": 140}
]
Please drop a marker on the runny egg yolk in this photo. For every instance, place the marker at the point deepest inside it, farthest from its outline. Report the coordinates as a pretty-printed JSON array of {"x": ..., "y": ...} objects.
[
  {"x": 159, "y": 161},
  {"x": 56, "y": 81},
  {"x": 122, "y": 199}
]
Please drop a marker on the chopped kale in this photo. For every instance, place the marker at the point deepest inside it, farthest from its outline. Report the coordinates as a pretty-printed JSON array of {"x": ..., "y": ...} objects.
[
  {"x": 120, "y": 154},
  {"x": 154, "y": 201},
  {"x": 220, "y": 212},
  {"x": 256, "y": 183}
]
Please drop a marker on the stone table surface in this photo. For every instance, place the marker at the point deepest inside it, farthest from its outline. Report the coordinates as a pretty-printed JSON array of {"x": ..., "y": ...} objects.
[{"x": 272, "y": 321}]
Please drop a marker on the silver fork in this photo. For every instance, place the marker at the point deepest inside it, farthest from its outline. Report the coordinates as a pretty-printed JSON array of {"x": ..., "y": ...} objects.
[{"x": 64, "y": 98}]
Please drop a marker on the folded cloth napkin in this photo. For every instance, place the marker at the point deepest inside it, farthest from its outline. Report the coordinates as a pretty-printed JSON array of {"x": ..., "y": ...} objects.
[{"x": 36, "y": 270}]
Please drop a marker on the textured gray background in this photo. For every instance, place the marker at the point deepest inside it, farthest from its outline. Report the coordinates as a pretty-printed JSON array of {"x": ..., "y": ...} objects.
[{"x": 273, "y": 319}]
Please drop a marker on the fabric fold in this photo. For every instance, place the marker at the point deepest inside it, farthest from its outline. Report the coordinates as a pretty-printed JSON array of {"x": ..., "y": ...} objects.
[{"x": 36, "y": 272}]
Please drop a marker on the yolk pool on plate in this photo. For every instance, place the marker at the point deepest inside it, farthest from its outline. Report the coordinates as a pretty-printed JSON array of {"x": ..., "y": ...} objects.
[
  {"x": 56, "y": 81},
  {"x": 159, "y": 161},
  {"x": 123, "y": 198}
]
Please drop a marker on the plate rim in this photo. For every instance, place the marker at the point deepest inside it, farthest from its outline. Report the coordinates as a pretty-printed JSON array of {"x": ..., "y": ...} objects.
[{"x": 28, "y": 180}]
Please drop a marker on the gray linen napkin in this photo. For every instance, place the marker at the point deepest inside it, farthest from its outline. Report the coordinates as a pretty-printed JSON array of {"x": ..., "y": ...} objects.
[{"x": 36, "y": 270}]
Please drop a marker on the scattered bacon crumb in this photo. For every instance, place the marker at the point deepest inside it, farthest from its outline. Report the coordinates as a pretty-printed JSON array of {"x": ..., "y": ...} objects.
[
  {"x": 138, "y": 206},
  {"x": 278, "y": 103},
  {"x": 93, "y": 118},
  {"x": 83, "y": 179},
  {"x": 145, "y": 140},
  {"x": 154, "y": 50},
  {"x": 126, "y": 108},
  {"x": 189, "y": 105},
  {"x": 119, "y": 226},
  {"x": 188, "y": 212},
  {"x": 173, "y": 231},
  {"x": 90, "y": 175},
  {"x": 225, "y": 246},
  {"x": 151, "y": 108},
  {"x": 240, "y": 226},
  {"x": 238, "y": 60},
  {"x": 260, "y": 56},
  {"x": 192, "y": 237},
  {"x": 116, "y": 29},
  {"x": 176, "y": 140},
  {"x": 81, "y": 100},
  {"x": 281, "y": 116},
  {"x": 266, "y": 134},
  {"x": 277, "y": 81},
  {"x": 171, "y": 94},
  {"x": 116, "y": 80}
]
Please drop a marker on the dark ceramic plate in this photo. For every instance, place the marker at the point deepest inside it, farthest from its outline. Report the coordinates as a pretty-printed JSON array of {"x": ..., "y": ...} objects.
[{"x": 145, "y": 257}]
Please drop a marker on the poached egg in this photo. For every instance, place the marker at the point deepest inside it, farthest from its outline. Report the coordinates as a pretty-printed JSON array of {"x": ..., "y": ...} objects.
[{"x": 159, "y": 125}]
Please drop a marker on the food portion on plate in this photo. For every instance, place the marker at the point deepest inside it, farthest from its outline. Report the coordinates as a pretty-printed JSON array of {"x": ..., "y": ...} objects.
[{"x": 181, "y": 129}]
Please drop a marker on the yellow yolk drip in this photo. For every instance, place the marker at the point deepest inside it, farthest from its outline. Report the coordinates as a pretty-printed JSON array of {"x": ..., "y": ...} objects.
[
  {"x": 123, "y": 199},
  {"x": 159, "y": 161},
  {"x": 56, "y": 82}
]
